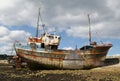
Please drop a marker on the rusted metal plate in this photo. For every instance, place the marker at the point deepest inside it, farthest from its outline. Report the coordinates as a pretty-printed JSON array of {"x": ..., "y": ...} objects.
[{"x": 66, "y": 59}]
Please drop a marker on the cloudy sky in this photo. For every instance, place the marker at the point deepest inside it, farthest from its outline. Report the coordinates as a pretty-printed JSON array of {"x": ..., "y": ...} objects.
[{"x": 18, "y": 20}]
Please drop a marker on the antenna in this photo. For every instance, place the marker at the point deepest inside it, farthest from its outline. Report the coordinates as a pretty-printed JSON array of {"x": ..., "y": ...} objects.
[
  {"x": 89, "y": 29},
  {"x": 99, "y": 38}
]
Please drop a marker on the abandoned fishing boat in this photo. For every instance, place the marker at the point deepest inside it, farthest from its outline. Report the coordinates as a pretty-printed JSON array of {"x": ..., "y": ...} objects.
[{"x": 42, "y": 52}]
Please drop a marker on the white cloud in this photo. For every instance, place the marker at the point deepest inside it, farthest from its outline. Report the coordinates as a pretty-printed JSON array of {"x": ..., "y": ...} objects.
[
  {"x": 13, "y": 35},
  {"x": 3, "y": 31},
  {"x": 6, "y": 4},
  {"x": 63, "y": 14},
  {"x": 9, "y": 37},
  {"x": 78, "y": 31},
  {"x": 17, "y": 13},
  {"x": 67, "y": 48}
]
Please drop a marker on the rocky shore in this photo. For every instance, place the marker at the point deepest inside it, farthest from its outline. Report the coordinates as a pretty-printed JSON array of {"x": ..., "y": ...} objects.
[{"x": 106, "y": 73}]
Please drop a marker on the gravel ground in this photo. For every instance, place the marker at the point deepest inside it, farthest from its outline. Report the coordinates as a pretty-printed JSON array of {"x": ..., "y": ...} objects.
[{"x": 107, "y": 73}]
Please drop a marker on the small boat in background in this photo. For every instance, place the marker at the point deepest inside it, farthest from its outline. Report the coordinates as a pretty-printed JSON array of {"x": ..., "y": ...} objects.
[{"x": 43, "y": 53}]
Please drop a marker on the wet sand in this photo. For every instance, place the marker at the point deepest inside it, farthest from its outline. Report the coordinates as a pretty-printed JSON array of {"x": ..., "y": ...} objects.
[{"x": 106, "y": 73}]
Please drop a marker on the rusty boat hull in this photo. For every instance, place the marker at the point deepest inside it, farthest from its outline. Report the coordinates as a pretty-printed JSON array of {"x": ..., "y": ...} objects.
[
  {"x": 42, "y": 52},
  {"x": 87, "y": 56}
]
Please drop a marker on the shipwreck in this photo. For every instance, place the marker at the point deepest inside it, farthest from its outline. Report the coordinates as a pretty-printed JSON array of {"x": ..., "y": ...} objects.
[{"x": 43, "y": 52}]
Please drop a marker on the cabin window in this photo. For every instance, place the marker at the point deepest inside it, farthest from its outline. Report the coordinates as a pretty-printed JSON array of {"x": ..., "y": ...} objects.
[{"x": 42, "y": 45}]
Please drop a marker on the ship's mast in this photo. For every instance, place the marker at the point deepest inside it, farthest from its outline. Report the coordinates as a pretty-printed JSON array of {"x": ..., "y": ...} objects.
[
  {"x": 43, "y": 25},
  {"x": 89, "y": 29},
  {"x": 38, "y": 23}
]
